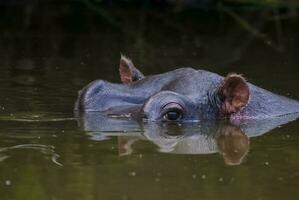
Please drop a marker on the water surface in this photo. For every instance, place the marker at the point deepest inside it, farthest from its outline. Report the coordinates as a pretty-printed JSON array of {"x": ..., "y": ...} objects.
[{"x": 46, "y": 153}]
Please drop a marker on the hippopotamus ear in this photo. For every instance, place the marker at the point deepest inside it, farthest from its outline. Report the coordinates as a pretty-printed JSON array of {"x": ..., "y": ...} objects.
[
  {"x": 128, "y": 72},
  {"x": 233, "y": 93}
]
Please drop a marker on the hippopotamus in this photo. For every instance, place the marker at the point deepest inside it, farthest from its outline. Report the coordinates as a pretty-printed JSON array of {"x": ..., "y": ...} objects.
[{"x": 181, "y": 95}]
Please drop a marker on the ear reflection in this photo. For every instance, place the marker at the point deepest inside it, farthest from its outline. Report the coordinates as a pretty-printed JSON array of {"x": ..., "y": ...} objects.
[
  {"x": 125, "y": 145},
  {"x": 233, "y": 144}
]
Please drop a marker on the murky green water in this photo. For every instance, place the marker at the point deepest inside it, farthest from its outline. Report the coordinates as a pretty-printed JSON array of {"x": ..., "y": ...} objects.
[{"x": 45, "y": 153}]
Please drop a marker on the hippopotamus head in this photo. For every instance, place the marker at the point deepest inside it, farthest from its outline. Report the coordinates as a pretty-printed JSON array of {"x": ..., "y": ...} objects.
[{"x": 184, "y": 94}]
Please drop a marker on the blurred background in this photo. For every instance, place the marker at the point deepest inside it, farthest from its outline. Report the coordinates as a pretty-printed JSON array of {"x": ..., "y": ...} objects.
[{"x": 49, "y": 49}]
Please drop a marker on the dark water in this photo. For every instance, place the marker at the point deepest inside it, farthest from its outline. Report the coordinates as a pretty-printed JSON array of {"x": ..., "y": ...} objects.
[{"x": 48, "y": 53}]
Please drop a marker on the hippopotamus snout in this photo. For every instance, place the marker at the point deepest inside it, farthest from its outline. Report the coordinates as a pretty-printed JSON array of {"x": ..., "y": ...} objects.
[{"x": 103, "y": 97}]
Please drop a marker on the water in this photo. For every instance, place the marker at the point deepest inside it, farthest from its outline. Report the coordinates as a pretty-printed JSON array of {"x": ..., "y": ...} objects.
[{"x": 45, "y": 153}]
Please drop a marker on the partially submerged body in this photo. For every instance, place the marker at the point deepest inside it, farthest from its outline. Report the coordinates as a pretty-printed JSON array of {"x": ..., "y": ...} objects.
[{"x": 184, "y": 94}]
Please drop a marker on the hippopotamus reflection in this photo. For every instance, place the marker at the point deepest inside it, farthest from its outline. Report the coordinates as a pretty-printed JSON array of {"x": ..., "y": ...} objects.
[
  {"x": 231, "y": 141},
  {"x": 183, "y": 94}
]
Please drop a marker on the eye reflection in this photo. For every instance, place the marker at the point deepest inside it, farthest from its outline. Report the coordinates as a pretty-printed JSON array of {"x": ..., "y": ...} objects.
[{"x": 169, "y": 129}]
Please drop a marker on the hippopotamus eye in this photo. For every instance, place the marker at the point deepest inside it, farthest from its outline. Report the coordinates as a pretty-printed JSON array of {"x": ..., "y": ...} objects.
[
  {"x": 173, "y": 116},
  {"x": 172, "y": 112}
]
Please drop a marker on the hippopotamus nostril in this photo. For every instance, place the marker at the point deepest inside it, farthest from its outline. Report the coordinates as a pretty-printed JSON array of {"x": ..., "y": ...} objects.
[{"x": 89, "y": 94}]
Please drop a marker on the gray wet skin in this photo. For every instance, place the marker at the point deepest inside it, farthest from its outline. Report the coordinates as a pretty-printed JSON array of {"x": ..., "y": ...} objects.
[{"x": 183, "y": 94}]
